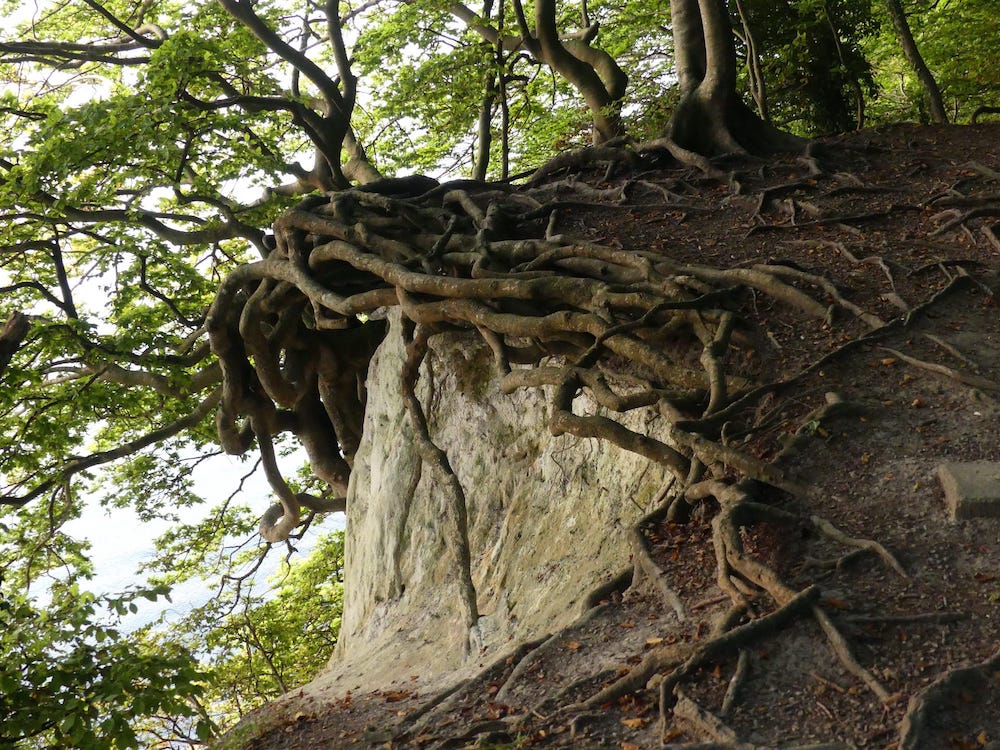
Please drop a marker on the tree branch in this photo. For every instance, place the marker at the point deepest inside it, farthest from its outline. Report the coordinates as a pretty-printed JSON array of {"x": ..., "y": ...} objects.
[
  {"x": 13, "y": 333},
  {"x": 77, "y": 464}
]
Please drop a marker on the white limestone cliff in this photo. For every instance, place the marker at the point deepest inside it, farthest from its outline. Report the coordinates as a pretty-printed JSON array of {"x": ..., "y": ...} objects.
[{"x": 548, "y": 518}]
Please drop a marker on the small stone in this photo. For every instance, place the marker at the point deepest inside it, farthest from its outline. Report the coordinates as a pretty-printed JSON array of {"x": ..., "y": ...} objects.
[{"x": 971, "y": 489}]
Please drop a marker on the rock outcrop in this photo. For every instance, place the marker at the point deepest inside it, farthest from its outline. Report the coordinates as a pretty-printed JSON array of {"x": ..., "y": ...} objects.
[{"x": 547, "y": 520}]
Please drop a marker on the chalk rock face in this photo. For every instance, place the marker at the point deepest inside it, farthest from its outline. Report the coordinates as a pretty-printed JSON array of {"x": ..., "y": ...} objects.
[{"x": 548, "y": 519}]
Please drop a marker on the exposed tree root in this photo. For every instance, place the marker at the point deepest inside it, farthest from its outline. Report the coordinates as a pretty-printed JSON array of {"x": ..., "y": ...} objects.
[
  {"x": 683, "y": 658},
  {"x": 526, "y": 659},
  {"x": 687, "y": 711},
  {"x": 455, "y": 509},
  {"x": 973, "y": 381},
  {"x": 416, "y": 721},
  {"x": 934, "y": 617},
  {"x": 915, "y": 729},
  {"x": 868, "y": 545},
  {"x": 608, "y": 331},
  {"x": 736, "y": 682},
  {"x": 655, "y": 573}
]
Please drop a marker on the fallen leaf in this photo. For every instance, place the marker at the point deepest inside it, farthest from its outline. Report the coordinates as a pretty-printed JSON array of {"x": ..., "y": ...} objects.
[
  {"x": 573, "y": 646},
  {"x": 717, "y": 672},
  {"x": 637, "y": 723},
  {"x": 629, "y": 746},
  {"x": 918, "y": 403},
  {"x": 628, "y": 625},
  {"x": 889, "y": 361},
  {"x": 654, "y": 641}
]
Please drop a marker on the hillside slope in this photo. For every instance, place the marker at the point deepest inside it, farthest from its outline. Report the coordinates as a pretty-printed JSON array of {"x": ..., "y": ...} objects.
[{"x": 810, "y": 588}]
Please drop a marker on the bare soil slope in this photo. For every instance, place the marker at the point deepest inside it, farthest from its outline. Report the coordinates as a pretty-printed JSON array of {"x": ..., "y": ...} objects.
[{"x": 900, "y": 227}]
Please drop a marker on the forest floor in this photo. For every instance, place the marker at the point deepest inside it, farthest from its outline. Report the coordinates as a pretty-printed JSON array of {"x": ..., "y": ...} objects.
[{"x": 896, "y": 218}]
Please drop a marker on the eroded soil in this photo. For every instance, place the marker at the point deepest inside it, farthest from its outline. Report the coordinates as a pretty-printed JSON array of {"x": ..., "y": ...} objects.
[{"x": 901, "y": 221}]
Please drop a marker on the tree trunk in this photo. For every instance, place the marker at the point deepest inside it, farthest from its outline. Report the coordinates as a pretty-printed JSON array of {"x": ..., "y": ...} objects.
[
  {"x": 855, "y": 84},
  {"x": 484, "y": 131},
  {"x": 358, "y": 167},
  {"x": 916, "y": 61},
  {"x": 13, "y": 333},
  {"x": 711, "y": 118},
  {"x": 758, "y": 87},
  {"x": 591, "y": 71}
]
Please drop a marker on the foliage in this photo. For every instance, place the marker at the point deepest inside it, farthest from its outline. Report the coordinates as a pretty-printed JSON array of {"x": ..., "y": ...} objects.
[
  {"x": 953, "y": 38},
  {"x": 264, "y": 645},
  {"x": 147, "y": 148},
  {"x": 813, "y": 62},
  {"x": 68, "y": 680}
]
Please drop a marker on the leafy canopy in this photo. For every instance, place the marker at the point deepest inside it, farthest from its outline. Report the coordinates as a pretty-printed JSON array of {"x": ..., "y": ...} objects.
[{"x": 146, "y": 149}]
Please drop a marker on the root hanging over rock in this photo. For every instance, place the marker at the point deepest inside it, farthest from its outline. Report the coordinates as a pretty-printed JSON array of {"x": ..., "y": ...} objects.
[{"x": 728, "y": 359}]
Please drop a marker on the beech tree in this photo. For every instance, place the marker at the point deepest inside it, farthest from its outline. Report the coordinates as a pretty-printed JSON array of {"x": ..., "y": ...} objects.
[
  {"x": 916, "y": 60},
  {"x": 199, "y": 247}
]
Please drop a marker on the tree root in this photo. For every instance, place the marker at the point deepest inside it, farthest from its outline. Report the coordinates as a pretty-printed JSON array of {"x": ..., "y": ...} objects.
[
  {"x": 973, "y": 381},
  {"x": 705, "y": 723},
  {"x": 645, "y": 563},
  {"x": 487, "y": 732},
  {"x": 455, "y": 510},
  {"x": 841, "y": 219},
  {"x": 964, "y": 218},
  {"x": 868, "y": 545},
  {"x": 418, "y": 720},
  {"x": 683, "y": 658},
  {"x": 915, "y": 728},
  {"x": 628, "y": 329},
  {"x": 736, "y": 682},
  {"x": 525, "y": 659},
  {"x": 843, "y": 651},
  {"x": 919, "y": 617}
]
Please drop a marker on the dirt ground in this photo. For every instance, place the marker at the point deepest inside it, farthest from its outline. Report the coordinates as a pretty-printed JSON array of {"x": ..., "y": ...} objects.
[{"x": 904, "y": 222}]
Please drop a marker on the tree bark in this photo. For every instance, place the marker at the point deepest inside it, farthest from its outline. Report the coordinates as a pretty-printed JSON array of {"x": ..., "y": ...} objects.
[
  {"x": 484, "y": 130},
  {"x": 916, "y": 61},
  {"x": 758, "y": 87},
  {"x": 591, "y": 71},
  {"x": 358, "y": 167},
  {"x": 13, "y": 333},
  {"x": 711, "y": 118}
]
